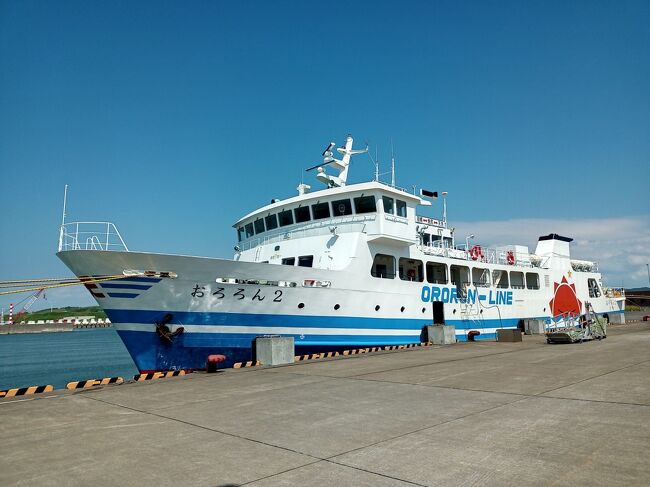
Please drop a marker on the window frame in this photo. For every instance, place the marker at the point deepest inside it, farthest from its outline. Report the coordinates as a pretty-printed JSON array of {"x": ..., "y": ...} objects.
[
  {"x": 337, "y": 203},
  {"x": 363, "y": 199},
  {"x": 301, "y": 210},
  {"x": 389, "y": 275},
  {"x": 285, "y": 212},
  {"x": 401, "y": 205},
  {"x": 384, "y": 199},
  {"x": 324, "y": 204},
  {"x": 257, "y": 232}
]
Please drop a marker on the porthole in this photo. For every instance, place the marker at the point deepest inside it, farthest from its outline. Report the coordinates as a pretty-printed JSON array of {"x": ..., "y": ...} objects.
[
  {"x": 424, "y": 309},
  {"x": 277, "y": 247},
  {"x": 454, "y": 311},
  {"x": 377, "y": 308},
  {"x": 402, "y": 309},
  {"x": 337, "y": 306},
  {"x": 301, "y": 305}
]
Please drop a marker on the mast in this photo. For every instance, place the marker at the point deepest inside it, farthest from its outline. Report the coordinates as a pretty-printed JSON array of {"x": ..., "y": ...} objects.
[
  {"x": 65, "y": 199},
  {"x": 392, "y": 164}
]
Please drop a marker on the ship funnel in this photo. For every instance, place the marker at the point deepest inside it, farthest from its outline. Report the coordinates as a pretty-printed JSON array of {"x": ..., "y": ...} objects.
[{"x": 556, "y": 249}]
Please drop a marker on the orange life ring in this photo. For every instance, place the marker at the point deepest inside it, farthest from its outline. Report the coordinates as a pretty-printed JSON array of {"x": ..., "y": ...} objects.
[
  {"x": 476, "y": 252},
  {"x": 510, "y": 257}
]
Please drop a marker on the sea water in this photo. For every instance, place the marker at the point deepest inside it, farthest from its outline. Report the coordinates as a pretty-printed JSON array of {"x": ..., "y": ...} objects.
[{"x": 35, "y": 359}]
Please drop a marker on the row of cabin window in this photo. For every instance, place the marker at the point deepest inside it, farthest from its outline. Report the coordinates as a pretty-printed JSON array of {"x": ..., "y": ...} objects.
[
  {"x": 303, "y": 261},
  {"x": 319, "y": 211},
  {"x": 383, "y": 267}
]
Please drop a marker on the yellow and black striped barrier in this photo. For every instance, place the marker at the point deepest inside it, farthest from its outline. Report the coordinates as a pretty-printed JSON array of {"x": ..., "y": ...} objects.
[
  {"x": 345, "y": 353},
  {"x": 158, "y": 375},
  {"x": 359, "y": 351},
  {"x": 250, "y": 363},
  {"x": 85, "y": 384},
  {"x": 23, "y": 391}
]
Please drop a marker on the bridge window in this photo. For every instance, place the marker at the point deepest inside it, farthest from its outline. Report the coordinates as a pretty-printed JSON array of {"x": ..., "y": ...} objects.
[
  {"x": 286, "y": 218},
  {"x": 289, "y": 261},
  {"x": 517, "y": 280},
  {"x": 271, "y": 222},
  {"x": 480, "y": 277},
  {"x": 259, "y": 225},
  {"x": 302, "y": 214},
  {"x": 248, "y": 228},
  {"x": 240, "y": 233},
  {"x": 306, "y": 261},
  {"x": 532, "y": 280},
  {"x": 500, "y": 278},
  {"x": 383, "y": 266},
  {"x": 341, "y": 207},
  {"x": 594, "y": 291},
  {"x": 436, "y": 273},
  {"x": 401, "y": 208},
  {"x": 320, "y": 210},
  {"x": 389, "y": 205},
  {"x": 365, "y": 204},
  {"x": 411, "y": 270}
]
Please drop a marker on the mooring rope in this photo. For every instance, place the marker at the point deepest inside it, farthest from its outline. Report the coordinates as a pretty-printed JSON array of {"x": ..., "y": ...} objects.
[
  {"x": 39, "y": 280},
  {"x": 60, "y": 284}
]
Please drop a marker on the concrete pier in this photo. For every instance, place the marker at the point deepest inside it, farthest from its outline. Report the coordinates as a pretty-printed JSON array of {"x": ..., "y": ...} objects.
[
  {"x": 441, "y": 334},
  {"x": 274, "y": 350},
  {"x": 477, "y": 413},
  {"x": 20, "y": 328}
]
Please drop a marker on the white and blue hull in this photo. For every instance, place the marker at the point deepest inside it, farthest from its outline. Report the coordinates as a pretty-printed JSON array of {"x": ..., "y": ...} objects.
[{"x": 266, "y": 299}]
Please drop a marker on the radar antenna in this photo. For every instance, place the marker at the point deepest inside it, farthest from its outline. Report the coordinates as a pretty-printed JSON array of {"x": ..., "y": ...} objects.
[{"x": 339, "y": 164}]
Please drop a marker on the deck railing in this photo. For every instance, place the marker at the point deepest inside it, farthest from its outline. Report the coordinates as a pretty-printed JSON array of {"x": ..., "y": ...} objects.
[{"x": 91, "y": 236}]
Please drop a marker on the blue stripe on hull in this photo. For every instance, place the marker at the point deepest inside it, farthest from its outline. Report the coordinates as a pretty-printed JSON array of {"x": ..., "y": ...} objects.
[
  {"x": 190, "y": 350},
  {"x": 276, "y": 320}
]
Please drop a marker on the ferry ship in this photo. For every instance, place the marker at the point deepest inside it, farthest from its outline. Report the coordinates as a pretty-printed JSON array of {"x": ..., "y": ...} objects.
[{"x": 344, "y": 266}]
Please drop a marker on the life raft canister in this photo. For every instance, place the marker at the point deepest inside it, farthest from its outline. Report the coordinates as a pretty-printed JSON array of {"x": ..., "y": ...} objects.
[
  {"x": 476, "y": 252},
  {"x": 510, "y": 257}
]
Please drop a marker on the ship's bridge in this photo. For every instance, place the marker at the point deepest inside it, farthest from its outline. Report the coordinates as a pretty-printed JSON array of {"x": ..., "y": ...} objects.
[{"x": 385, "y": 214}]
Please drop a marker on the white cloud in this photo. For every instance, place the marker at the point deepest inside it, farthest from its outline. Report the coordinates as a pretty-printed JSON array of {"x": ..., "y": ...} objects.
[{"x": 621, "y": 246}]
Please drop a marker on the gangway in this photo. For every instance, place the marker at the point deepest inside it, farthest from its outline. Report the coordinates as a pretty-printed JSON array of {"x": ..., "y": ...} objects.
[{"x": 577, "y": 329}]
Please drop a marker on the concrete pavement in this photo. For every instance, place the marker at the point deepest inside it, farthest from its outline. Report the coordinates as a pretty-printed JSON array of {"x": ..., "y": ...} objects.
[{"x": 481, "y": 413}]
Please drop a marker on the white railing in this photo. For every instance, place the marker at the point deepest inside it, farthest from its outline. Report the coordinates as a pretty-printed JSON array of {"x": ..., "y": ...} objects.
[
  {"x": 91, "y": 236},
  {"x": 489, "y": 256}
]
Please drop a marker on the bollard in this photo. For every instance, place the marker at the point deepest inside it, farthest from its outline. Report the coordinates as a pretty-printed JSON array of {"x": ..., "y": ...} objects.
[{"x": 213, "y": 362}]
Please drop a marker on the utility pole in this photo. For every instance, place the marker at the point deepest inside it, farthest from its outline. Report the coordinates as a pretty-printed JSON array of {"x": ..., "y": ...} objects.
[{"x": 647, "y": 266}]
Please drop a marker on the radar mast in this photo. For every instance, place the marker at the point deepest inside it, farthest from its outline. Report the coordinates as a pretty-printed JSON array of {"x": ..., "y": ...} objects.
[{"x": 340, "y": 165}]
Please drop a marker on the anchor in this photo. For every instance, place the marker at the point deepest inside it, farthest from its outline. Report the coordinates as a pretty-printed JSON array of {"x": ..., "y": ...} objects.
[{"x": 163, "y": 331}]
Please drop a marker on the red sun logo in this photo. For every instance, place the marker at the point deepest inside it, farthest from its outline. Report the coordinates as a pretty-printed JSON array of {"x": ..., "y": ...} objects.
[{"x": 565, "y": 302}]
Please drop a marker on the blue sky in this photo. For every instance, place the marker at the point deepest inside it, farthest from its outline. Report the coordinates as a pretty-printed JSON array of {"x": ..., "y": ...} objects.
[{"x": 173, "y": 119}]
